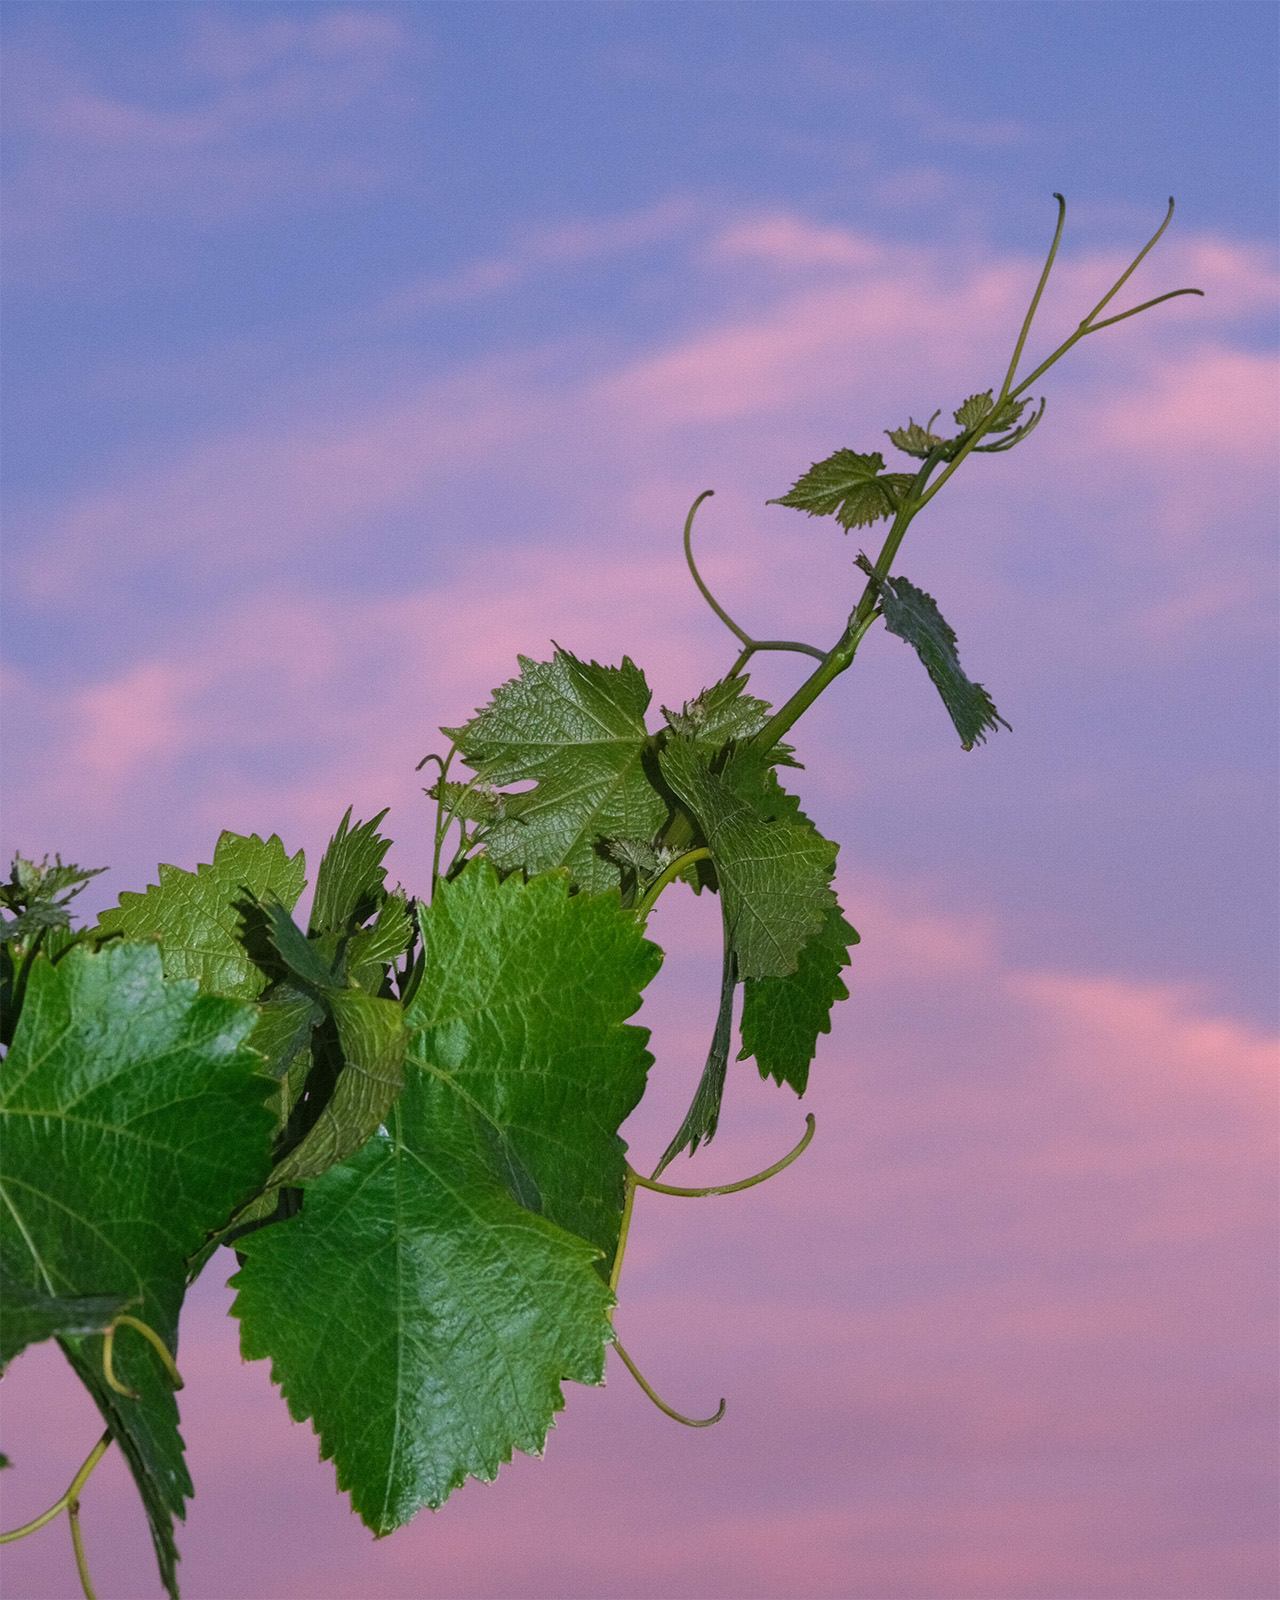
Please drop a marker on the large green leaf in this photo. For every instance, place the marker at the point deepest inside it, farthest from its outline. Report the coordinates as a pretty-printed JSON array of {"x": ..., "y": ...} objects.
[
  {"x": 774, "y": 875},
  {"x": 419, "y": 1316},
  {"x": 441, "y": 1283},
  {"x": 133, "y": 1125},
  {"x": 522, "y": 1008},
  {"x": 854, "y": 488},
  {"x": 578, "y": 729},
  {"x": 199, "y": 918},
  {"x": 782, "y": 1017}
]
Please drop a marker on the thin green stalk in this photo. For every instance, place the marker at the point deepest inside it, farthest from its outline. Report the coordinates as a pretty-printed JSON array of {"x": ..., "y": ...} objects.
[
  {"x": 1035, "y": 302},
  {"x": 635, "y": 1179},
  {"x": 628, "y": 1206},
  {"x": 1133, "y": 266},
  {"x": 73, "y": 1493},
  {"x": 152, "y": 1338},
  {"x": 77, "y": 1545},
  {"x": 697, "y": 576},
  {"x": 669, "y": 873},
  {"x": 750, "y": 645},
  {"x": 840, "y": 657},
  {"x": 679, "y": 1416},
  {"x": 1084, "y": 330}
]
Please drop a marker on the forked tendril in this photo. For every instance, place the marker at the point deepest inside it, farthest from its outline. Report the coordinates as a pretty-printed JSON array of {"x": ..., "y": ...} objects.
[
  {"x": 70, "y": 1503},
  {"x": 749, "y": 645},
  {"x": 153, "y": 1338},
  {"x": 679, "y": 1416}
]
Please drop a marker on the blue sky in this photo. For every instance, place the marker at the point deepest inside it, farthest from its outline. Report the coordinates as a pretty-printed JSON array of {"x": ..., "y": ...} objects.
[{"x": 350, "y": 350}]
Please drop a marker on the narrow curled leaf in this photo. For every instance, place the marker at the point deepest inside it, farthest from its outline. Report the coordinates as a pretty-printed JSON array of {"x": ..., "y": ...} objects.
[
  {"x": 199, "y": 918},
  {"x": 703, "y": 1116},
  {"x": 774, "y": 869},
  {"x": 782, "y": 1017},
  {"x": 441, "y": 1283},
  {"x": 914, "y": 616},
  {"x": 371, "y": 1039},
  {"x": 854, "y": 488},
  {"x": 578, "y": 729}
]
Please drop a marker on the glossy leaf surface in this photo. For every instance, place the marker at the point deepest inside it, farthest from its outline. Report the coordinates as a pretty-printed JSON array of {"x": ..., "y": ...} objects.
[
  {"x": 441, "y": 1283},
  {"x": 133, "y": 1124}
]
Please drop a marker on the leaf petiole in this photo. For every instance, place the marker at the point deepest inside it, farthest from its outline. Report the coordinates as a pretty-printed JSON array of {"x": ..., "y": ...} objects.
[
  {"x": 669, "y": 873},
  {"x": 77, "y": 1545}
]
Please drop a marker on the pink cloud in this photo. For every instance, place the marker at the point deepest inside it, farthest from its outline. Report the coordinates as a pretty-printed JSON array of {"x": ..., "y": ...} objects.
[
  {"x": 1211, "y": 401},
  {"x": 745, "y": 389},
  {"x": 127, "y": 723}
]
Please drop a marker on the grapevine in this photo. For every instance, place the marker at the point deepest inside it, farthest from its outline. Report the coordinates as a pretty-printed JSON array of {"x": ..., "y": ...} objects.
[{"x": 404, "y": 1116}]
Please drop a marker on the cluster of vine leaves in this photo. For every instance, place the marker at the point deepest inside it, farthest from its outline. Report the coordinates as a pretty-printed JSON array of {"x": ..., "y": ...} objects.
[{"x": 405, "y": 1116}]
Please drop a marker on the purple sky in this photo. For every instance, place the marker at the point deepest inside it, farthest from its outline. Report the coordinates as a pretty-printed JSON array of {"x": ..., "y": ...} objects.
[{"x": 353, "y": 350}]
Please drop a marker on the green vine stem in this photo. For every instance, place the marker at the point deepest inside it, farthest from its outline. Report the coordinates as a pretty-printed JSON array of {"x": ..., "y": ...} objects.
[
  {"x": 77, "y": 1545},
  {"x": 153, "y": 1338},
  {"x": 628, "y": 1206},
  {"x": 679, "y": 1416},
  {"x": 841, "y": 655},
  {"x": 669, "y": 874},
  {"x": 73, "y": 1494},
  {"x": 637, "y": 1181}
]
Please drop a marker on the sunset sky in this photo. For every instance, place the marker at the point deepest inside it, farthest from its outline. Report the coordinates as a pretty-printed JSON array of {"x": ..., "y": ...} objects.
[{"x": 350, "y": 351}]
